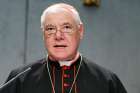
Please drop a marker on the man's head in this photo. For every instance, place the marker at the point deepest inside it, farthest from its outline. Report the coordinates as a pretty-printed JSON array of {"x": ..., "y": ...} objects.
[{"x": 62, "y": 30}]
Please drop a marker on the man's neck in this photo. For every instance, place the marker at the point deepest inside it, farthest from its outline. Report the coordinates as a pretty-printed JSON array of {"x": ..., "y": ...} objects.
[{"x": 68, "y": 63}]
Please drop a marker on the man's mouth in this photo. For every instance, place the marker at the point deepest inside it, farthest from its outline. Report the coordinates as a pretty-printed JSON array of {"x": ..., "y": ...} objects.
[{"x": 60, "y": 46}]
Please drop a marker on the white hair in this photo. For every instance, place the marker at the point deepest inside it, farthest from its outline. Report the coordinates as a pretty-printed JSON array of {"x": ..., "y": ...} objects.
[{"x": 59, "y": 7}]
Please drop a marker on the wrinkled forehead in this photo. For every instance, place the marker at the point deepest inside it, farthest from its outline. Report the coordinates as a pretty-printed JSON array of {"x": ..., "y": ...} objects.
[{"x": 61, "y": 8}]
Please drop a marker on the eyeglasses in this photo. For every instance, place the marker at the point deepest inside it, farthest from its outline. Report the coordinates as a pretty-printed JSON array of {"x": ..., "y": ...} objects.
[{"x": 65, "y": 28}]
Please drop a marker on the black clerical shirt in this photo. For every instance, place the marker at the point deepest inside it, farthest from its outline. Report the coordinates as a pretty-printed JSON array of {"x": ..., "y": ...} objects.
[{"x": 91, "y": 78}]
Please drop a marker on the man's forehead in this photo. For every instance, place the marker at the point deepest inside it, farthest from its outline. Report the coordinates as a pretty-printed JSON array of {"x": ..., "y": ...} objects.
[
  {"x": 59, "y": 18},
  {"x": 62, "y": 24}
]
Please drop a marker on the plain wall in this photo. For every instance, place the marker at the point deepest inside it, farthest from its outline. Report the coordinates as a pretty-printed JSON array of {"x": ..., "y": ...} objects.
[{"x": 111, "y": 36}]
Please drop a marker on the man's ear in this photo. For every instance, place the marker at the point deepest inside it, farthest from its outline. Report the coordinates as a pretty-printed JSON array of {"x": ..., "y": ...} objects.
[
  {"x": 81, "y": 31},
  {"x": 43, "y": 33}
]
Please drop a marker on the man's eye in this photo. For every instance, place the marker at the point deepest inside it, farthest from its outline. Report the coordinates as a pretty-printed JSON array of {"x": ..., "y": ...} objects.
[
  {"x": 50, "y": 29},
  {"x": 67, "y": 27}
]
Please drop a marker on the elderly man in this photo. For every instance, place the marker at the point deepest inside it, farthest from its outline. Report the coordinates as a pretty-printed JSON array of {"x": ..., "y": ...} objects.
[{"x": 64, "y": 70}]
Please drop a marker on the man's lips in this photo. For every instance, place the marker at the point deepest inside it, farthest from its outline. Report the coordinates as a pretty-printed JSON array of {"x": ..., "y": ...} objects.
[{"x": 60, "y": 46}]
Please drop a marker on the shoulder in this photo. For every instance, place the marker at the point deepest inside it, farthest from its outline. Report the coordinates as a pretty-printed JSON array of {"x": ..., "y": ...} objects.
[
  {"x": 104, "y": 76},
  {"x": 97, "y": 70}
]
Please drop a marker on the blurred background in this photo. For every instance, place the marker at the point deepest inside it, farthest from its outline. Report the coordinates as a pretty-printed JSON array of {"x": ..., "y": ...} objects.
[{"x": 112, "y": 36}]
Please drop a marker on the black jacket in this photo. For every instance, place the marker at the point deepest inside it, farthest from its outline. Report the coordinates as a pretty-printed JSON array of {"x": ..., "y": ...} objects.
[{"x": 91, "y": 79}]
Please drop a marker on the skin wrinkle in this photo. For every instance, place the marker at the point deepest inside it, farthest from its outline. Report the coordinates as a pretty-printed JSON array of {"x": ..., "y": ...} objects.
[
  {"x": 70, "y": 40},
  {"x": 60, "y": 8}
]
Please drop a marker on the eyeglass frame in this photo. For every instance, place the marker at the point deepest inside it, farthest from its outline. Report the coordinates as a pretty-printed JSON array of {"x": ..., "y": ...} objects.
[{"x": 64, "y": 28}]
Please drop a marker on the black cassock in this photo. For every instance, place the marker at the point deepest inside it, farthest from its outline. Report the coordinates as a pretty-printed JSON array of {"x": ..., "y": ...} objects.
[{"x": 91, "y": 78}]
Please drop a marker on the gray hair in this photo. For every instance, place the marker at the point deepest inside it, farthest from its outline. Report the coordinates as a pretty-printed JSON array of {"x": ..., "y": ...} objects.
[{"x": 60, "y": 7}]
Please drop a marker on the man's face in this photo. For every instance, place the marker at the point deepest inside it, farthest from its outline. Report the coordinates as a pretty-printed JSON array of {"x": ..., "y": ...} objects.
[{"x": 62, "y": 35}]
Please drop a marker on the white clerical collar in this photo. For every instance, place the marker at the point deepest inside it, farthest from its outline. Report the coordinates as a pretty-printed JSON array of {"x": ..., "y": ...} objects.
[{"x": 68, "y": 63}]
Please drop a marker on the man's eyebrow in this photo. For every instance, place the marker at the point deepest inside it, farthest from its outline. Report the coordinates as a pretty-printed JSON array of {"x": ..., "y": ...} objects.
[
  {"x": 66, "y": 23},
  {"x": 49, "y": 25}
]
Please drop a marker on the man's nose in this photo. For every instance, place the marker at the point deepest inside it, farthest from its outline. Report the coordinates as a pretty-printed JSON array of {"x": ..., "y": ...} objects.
[{"x": 59, "y": 35}]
